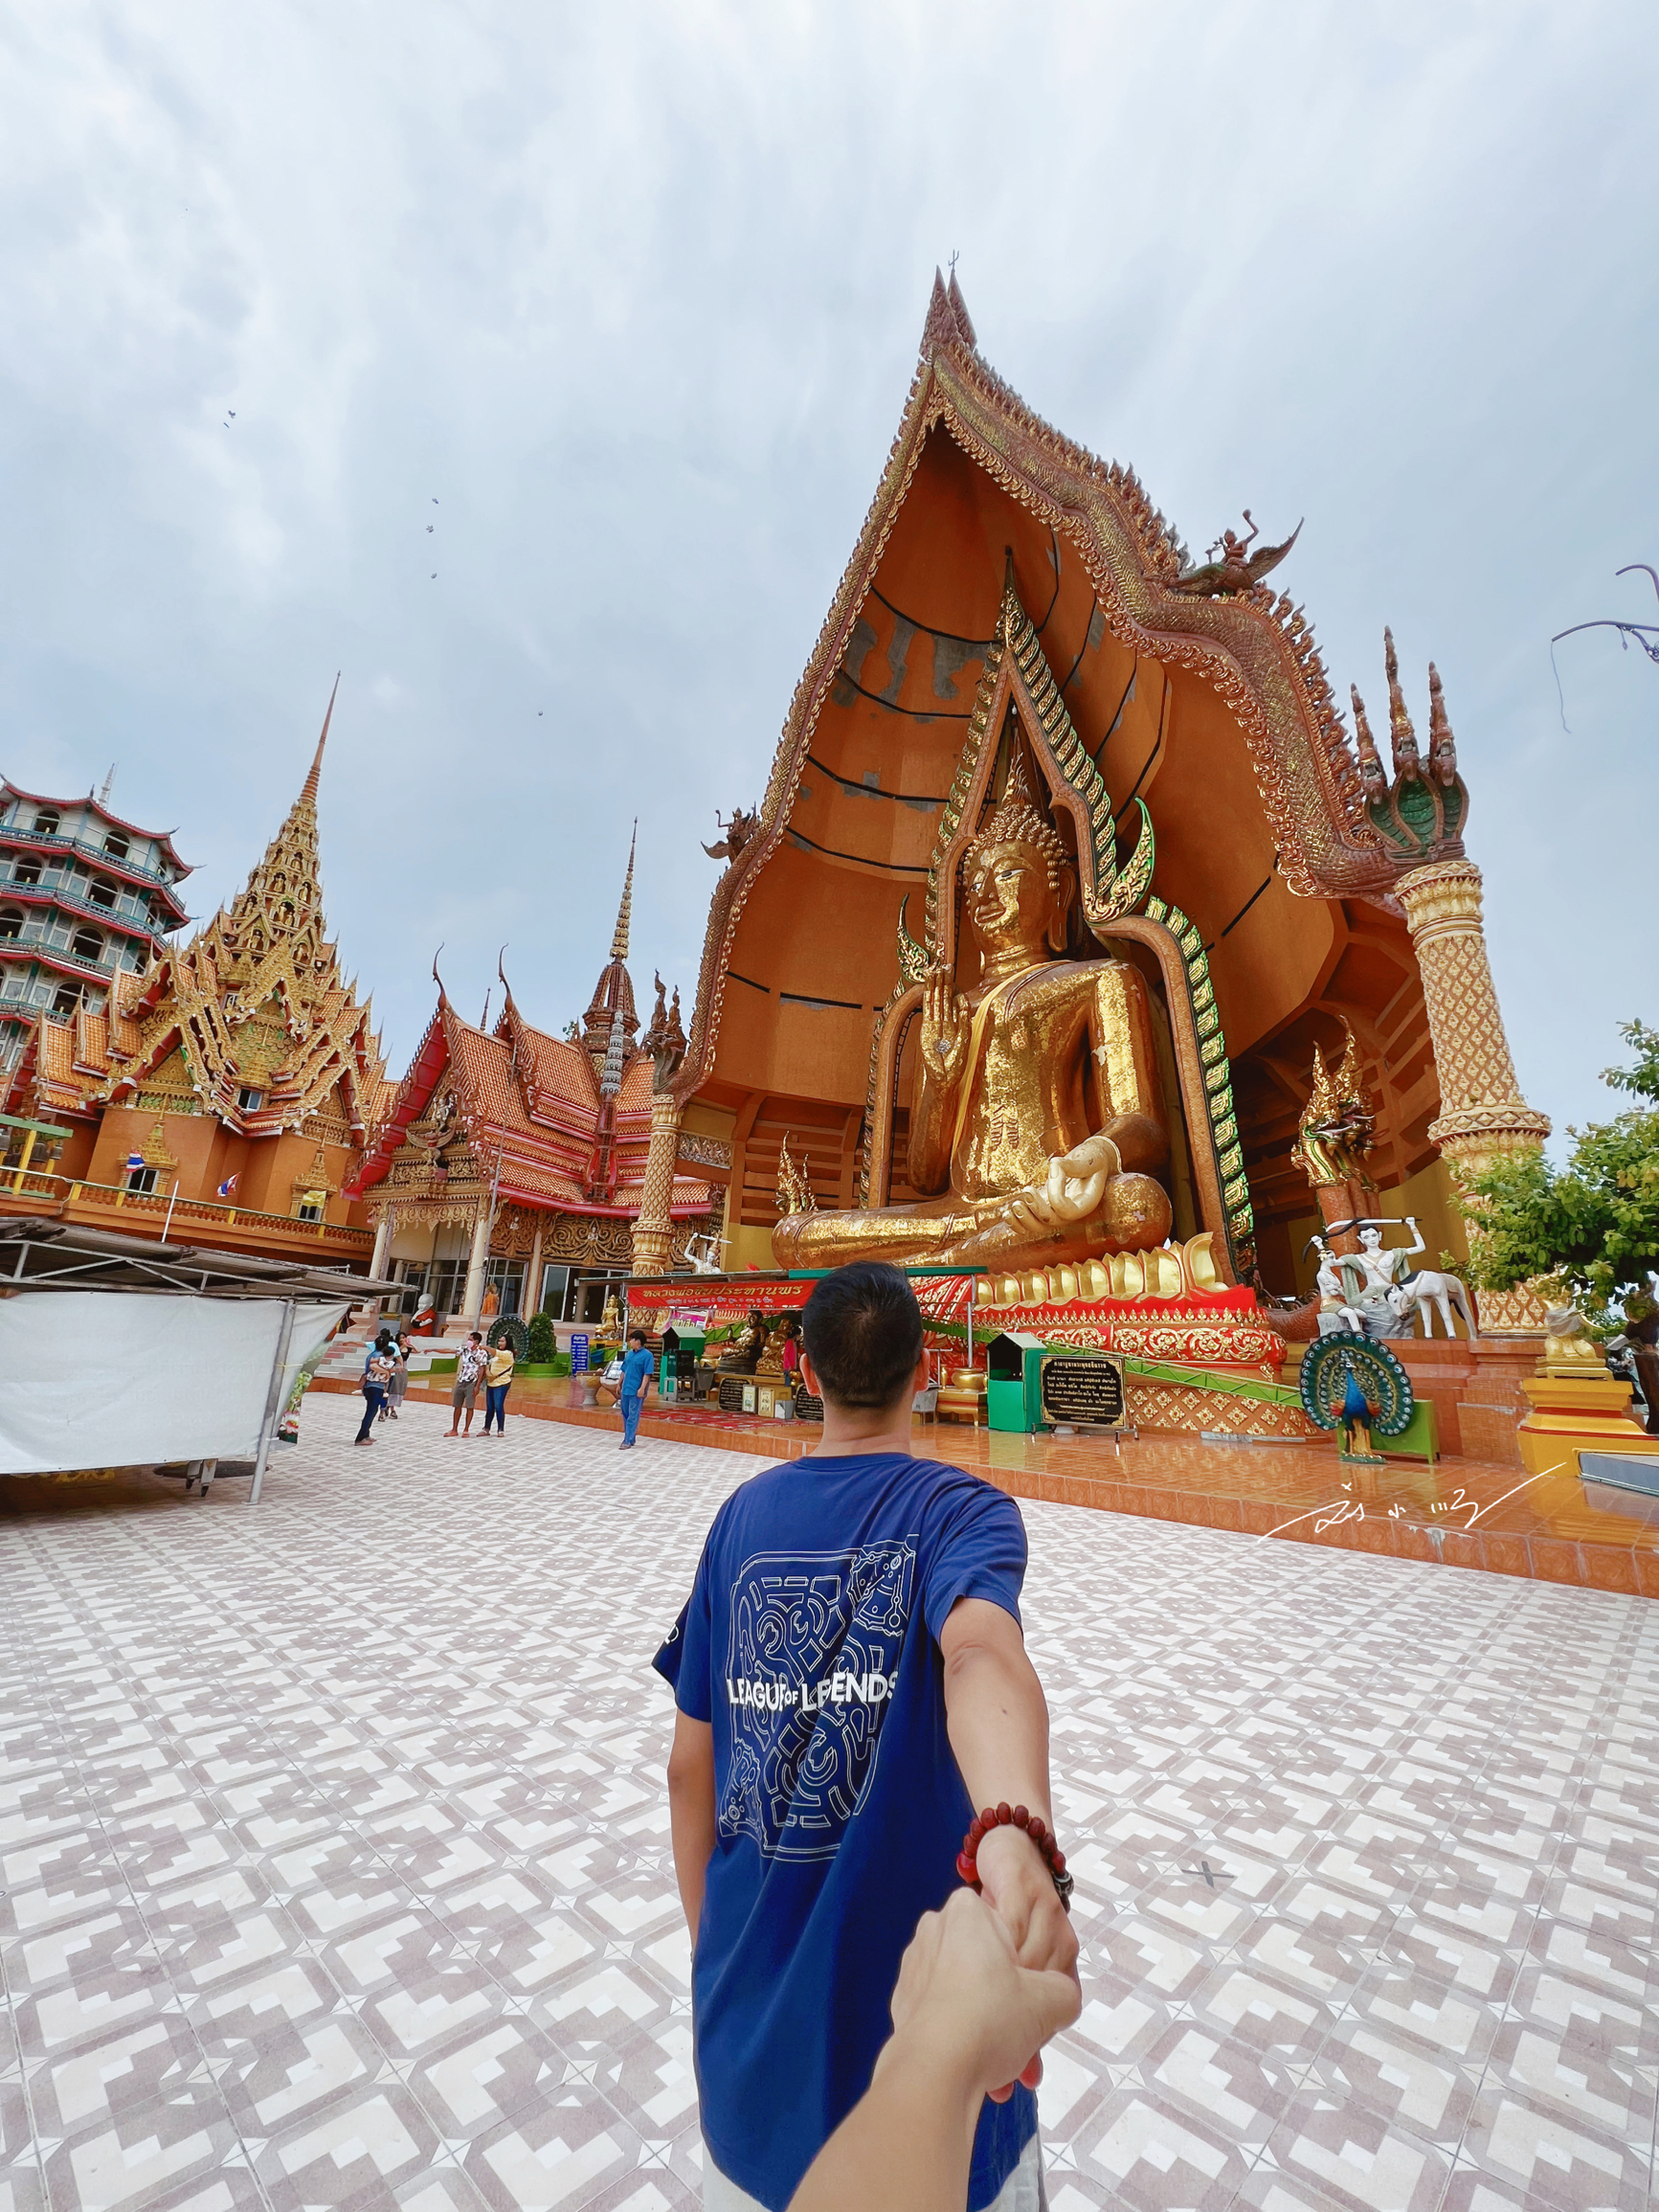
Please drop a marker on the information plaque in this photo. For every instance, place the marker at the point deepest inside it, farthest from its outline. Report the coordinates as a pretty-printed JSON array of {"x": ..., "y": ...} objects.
[{"x": 1084, "y": 1392}]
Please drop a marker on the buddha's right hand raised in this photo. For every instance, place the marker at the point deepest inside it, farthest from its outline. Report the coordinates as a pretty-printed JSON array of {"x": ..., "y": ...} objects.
[{"x": 945, "y": 1022}]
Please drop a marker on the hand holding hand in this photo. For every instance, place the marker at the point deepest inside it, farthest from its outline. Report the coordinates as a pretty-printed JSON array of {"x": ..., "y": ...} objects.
[
  {"x": 1015, "y": 1879},
  {"x": 967, "y": 1999}
]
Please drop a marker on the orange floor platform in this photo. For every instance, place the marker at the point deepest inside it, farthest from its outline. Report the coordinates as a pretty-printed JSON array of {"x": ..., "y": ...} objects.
[{"x": 1463, "y": 1512}]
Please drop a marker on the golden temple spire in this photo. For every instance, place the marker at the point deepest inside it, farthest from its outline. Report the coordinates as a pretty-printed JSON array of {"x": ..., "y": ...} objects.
[
  {"x": 275, "y": 1030},
  {"x": 1371, "y": 775},
  {"x": 1400, "y": 731},
  {"x": 309, "y": 790},
  {"x": 619, "y": 935},
  {"x": 948, "y": 322}
]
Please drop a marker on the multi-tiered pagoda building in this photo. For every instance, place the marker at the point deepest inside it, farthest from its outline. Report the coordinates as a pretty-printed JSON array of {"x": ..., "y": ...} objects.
[{"x": 85, "y": 897}]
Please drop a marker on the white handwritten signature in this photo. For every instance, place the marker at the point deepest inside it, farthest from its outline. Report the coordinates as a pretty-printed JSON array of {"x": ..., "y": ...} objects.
[{"x": 1351, "y": 1509}]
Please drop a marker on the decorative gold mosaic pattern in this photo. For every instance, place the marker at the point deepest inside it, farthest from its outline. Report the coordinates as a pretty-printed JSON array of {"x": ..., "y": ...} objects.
[
  {"x": 652, "y": 1231},
  {"x": 1481, "y": 1111},
  {"x": 1471, "y": 1053},
  {"x": 1172, "y": 1406}
]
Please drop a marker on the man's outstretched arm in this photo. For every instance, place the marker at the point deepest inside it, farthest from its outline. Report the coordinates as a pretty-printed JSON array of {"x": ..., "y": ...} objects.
[
  {"x": 998, "y": 1719},
  {"x": 691, "y": 1811}
]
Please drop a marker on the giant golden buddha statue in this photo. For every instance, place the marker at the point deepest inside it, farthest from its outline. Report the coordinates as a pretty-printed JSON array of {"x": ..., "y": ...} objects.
[{"x": 1037, "y": 1127}]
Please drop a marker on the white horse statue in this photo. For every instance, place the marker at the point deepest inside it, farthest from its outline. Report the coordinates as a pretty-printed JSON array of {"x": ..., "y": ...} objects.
[{"x": 1427, "y": 1289}]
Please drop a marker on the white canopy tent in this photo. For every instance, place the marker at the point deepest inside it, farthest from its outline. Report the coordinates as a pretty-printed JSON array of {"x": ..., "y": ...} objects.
[{"x": 117, "y": 1352}]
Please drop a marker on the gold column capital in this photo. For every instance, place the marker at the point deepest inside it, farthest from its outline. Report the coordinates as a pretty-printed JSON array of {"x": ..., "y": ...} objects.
[{"x": 1446, "y": 895}]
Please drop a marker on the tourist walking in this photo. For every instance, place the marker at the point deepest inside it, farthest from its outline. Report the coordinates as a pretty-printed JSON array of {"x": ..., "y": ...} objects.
[
  {"x": 498, "y": 1377},
  {"x": 378, "y": 1371},
  {"x": 468, "y": 1371},
  {"x": 399, "y": 1388},
  {"x": 828, "y": 1758},
  {"x": 637, "y": 1371}
]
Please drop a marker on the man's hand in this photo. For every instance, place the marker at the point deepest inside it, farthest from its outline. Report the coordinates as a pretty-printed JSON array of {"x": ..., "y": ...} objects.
[{"x": 1014, "y": 1877}]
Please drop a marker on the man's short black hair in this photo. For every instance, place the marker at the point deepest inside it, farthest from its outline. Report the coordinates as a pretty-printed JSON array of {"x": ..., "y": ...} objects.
[
  {"x": 862, "y": 1330},
  {"x": 635, "y": 1336}
]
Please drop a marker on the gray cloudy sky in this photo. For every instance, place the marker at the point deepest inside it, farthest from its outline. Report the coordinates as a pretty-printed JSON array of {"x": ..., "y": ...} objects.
[{"x": 632, "y": 293}]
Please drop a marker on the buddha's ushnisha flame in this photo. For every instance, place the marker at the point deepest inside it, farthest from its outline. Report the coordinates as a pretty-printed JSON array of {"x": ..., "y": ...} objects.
[{"x": 1016, "y": 820}]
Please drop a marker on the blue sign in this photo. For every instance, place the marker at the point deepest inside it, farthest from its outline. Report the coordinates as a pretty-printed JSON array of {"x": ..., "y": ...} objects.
[{"x": 579, "y": 1355}]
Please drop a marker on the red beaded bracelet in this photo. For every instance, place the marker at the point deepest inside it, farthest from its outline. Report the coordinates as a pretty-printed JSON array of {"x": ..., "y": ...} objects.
[{"x": 1014, "y": 1817}]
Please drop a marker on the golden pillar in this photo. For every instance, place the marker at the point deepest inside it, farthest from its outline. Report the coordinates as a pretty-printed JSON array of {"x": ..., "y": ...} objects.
[
  {"x": 654, "y": 1231},
  {"x": 1481, "y": 1113}
]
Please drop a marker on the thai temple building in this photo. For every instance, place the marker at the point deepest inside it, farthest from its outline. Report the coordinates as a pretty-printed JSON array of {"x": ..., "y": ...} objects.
[
  {"x": 221, "y": 1093},
  {"x": 510, "y": 1171},
  {"x": 1022, "y": 653},
  {"x": 85, "y": 897}
]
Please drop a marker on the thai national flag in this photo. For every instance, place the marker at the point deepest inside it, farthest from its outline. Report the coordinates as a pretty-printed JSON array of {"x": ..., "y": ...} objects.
[
  {"x": 134, "y": 1162},
  {"x": 227, "y": 1188}
]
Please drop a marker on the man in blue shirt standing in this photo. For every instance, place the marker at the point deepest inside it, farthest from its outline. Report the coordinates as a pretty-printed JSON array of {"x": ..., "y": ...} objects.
[
  {"x": 851, "y": 1681},
  {"x": 636, "y": 1369}
]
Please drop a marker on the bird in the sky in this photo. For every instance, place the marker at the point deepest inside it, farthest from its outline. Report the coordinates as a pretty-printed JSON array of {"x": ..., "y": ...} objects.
[
  {"x": 231, "y": 411},
  {"x": 430, "y": 527},
  {"x": 434, "y": 503},
  {"x": 435, "y": 576}
]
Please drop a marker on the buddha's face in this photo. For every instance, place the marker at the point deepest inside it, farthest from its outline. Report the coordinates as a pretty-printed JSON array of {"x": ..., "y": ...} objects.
[{"x": 1011, "y": 905}]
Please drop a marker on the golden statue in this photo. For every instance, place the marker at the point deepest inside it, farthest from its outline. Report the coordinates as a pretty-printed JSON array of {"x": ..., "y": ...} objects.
[
  {"x": 1334, "y": 1133},
  {"x": 1037, "y": 1120}
]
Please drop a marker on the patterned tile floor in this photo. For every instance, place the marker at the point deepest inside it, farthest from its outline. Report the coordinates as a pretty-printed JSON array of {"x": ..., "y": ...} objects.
[{"x": 336, "y": 1872}]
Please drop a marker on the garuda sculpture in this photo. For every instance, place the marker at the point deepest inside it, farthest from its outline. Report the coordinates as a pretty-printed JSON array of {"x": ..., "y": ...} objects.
[
  {"x": 739, "y": 832},
  {"x": 1037, "y": 1127},
  {"x": 1236, "y": 569}
]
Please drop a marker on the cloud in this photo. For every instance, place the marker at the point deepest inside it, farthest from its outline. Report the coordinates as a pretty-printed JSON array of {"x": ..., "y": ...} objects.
[{"x": 635, "y": 294}]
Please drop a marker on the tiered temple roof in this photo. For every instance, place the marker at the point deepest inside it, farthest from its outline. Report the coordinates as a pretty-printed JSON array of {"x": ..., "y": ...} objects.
[
  {"x": 253, "y": 1020},
  {"x": 544, "y": 1122}
]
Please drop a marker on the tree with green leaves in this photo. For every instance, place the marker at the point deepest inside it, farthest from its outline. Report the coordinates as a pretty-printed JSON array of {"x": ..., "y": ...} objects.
[{"x": 1590, "y": 1229}]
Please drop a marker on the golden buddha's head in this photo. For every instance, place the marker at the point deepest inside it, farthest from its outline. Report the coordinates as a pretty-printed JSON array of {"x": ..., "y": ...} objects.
[{"x": 1018, "y": 877}]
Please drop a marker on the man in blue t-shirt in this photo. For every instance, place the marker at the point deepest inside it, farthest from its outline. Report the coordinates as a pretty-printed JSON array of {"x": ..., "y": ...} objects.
[
  {"x": 636, "y": 1369},
  {"x": 851, "y": 1683}
]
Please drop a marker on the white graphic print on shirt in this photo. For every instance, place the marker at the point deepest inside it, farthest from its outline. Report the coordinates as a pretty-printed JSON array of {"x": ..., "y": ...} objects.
[{"x": 813, "y": 1658}]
